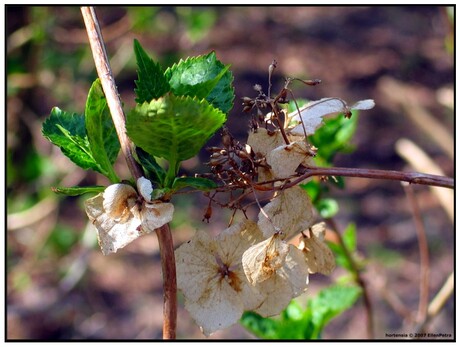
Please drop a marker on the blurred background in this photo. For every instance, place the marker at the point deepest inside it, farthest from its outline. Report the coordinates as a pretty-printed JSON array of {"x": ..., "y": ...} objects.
[{"x": 60, "y": 286}]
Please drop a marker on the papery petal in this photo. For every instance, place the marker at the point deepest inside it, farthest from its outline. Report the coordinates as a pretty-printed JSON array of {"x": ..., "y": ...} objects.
[
  {"x": 285, "y": 159},
  {"x": 263, "y": 142},
  {"x": 112, "y": 235},
  {"x": 261, "y": 261},
  {"x": 295, "y": 271},
  {"x": 277, "y": 294},
  {"x": 318, "y": 255},
  {"x": 118, "y": 199},
  {"x": 218, "y": 309},
  {"x": 196, "y": 265},
  {"x": 291, "y": 211},
  {"x": 145, "y": 188},
  {"x": 155, "y": 215}
]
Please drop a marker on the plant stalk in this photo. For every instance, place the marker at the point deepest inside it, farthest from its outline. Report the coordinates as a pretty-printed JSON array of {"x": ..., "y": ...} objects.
[
  {"x": 410, "y": 177},
  {"x": 165, "y": 241}
]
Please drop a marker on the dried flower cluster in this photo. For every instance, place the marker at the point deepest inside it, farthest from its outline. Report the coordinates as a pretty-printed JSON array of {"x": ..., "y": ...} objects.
[{"x": 251, "y": 266}]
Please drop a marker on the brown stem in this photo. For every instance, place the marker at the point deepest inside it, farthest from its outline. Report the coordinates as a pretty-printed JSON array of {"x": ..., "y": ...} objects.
[
  {"x": 168, "y": 266},
  {"x": 358, "y": 278},
  {"x": 113, "y": 100},
  {"x": 410, "y": 177},
  {"x": 424, "y": 254},
  {"x": 108, "y": 85}
]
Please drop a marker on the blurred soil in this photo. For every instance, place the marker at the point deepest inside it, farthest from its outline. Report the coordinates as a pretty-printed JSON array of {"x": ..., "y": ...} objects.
[{"x": 355, "y": 51}]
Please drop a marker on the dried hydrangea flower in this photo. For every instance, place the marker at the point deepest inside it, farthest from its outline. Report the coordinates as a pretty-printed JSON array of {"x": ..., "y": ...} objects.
[
  {"x": 211, "y": 276},
  {"x": 120, "y": 215},
  {"x": 318, "y": 255},
  {"x": 290, "y": 211}
]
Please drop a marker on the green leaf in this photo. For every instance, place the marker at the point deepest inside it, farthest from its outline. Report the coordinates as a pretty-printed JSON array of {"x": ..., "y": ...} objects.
[
  {"x": 67, "y": 131},
  {"x": 196, "y": 76},
  {"x": 102, "y": 136},
  {"x": 152, "y": 169},
  {"x": 151, "y": 83},
  {"x": 200, "y": 183},
  {"x": 349, "y": 239},
  {"x": 334, "y": 137},
  {"x": 174, "y": 128},
  {"x": 75, "y": 191},
  {"x": 223, "y": 94},
  {"x": 329, "y": 303},
  {"x": 298, "y": 323},
  {"x": 264, "y": 328},
  {"x": 327, "y": 208}
]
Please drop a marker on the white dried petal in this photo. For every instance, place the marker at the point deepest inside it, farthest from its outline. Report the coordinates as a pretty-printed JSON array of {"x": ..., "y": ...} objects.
[
  {"x": 363, "y": 105},
  {"x": 318, "y": 255},
  {"x": 277, "y": 293},
  {"x": 285, "y": 159},
  {"x": 220, "y": 309},
  {"x": 311, "y": 115},
  {"x": 112, "y": 235},
  {"x": 290, "y": 281},
  {"x": 291, "y": 211},
  {"x": 118, "y": 200},
  {"x": 295, "y": 270},
  {"x": 155, "y": 215},
  {"x": 261, "y": 261},
  {"x": 145, "y": 188},
  {"x": 263, "y": 142}
]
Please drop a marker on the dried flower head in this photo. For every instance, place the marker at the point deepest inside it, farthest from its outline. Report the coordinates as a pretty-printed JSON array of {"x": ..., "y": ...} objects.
[{"x": 120, "y": 215}]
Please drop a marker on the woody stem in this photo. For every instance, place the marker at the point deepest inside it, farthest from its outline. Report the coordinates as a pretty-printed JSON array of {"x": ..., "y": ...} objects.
[{"x": 114, "y": 103}]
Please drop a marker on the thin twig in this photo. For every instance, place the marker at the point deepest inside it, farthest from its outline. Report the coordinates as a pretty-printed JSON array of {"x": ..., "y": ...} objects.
[
  {"x": 438, "y": 302},
  {"x": 358, "y": 278},
  {"x": 410, "y": 177},
  {"x": 108, "y": 85},
  {"x": 168, "y": 262},
  {"x": 424, "y": 255}
]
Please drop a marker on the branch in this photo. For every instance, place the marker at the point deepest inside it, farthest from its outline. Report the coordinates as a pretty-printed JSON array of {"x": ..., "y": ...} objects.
[
  {"x": 108, "y": 85},
  {"x": 424, "y": 254},
  {"x": 168, "y": 262},
  {"x": 168, "y": 267},
  {"x": 410, "y": 177},
  {"x": 358, "y": 278}
]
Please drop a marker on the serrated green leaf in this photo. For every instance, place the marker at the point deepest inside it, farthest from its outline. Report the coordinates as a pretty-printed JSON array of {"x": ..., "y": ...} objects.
[
  {"x": 200, "y": 183},
  {"x": 67, "y": 131},
  {"x": 196, "y": 76},
  {"x": 151, "y": 83},
  {"x": 329, "y": 303},
  {"x": 75, "y": 191},
  {"x": 223, "y": 93},
  {"x": 152, "y": 169},
  {"x": 173, "y": 127},
  {"x": 102, "y": 136}
]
